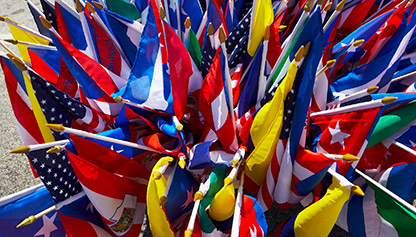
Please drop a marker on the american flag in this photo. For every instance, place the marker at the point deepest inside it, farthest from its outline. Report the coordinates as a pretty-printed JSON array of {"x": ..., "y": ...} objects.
[
  {"x": 59, "y": 107},
  {"x": 208, "y": 54},
  {"x": 56, "y": 173},
  {"x": 265, "y": 195}
]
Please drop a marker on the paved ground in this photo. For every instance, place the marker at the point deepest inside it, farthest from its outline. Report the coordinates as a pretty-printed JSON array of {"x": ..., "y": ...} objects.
[{"x": 15, "y": 174}]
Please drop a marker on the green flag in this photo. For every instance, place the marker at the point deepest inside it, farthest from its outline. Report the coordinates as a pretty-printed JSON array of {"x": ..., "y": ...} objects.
[
  {"x": 194, "y": 49},
  {"x": 391, "y": 122},
  {"x": 402, "y": 219},
  {"x": 124, "y": 8}
]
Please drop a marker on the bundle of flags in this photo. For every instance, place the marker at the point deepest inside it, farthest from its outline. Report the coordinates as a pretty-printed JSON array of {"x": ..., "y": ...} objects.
[{"x": 199, "y": 116}]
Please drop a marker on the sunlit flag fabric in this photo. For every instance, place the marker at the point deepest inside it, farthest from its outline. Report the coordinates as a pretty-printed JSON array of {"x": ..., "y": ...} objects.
[
  {"x": 340, "y": 134},
  {"x": 21, "y": 35},
  {"x": 379, "y": 71},
  {"x": 158, "y": 221},
  {"x": 22, "y": 109},
  {"x": 127, "y": 33},
  {"x": 114, "y": 183},
  {"x": 252, "y": 220},
  {"x": 109, "y": 55},
  {"x": 96, "y": 82},
  {"x": 318, "y": 218},
  {"x": 307, "y": 74},
  {"x": 36, "y": 13},
  {"x": 149, "y": 82},
  {"x": 60, "y": 108},
  {"x": 26, "y": 203},
  {"x": 180, "y": 70},
  {"x": 266, "y": 129},
  {"x": 214, "y": 104},
  {"x": 80, "y": 218},
  {"x": 124, "y": 8},
  {"x": 69, "y": 25},
  {"x": 182, "y": 187},
  {"x": 360, "y": 215},
  {"x": 262, "y": 17},
  {"x": 44, "y": 62}
]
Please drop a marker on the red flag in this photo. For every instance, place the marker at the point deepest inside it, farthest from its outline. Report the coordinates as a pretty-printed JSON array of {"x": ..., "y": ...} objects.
[
  {"x": 213, "y": 104},
  {"x": 114, "y": 183},
  {"x": 180, "y": 68}
]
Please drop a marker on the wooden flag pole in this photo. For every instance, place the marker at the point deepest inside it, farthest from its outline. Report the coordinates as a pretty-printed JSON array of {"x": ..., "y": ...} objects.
[
  {"x": 29, "y": 220},
  {"x": 235, "y": 230},
  {"x": 359, "y": 106},
  {"x": 24, "y": 149},
  {"x": 23, "y": 28},
  {"x": 334, "y": 15},
  {"x": 390, "y": 193},
  {"x": 353, "y": 96},
  {"x": 60, "y": 128}
]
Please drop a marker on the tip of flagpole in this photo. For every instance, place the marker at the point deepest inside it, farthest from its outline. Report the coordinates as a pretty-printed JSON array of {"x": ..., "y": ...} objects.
[
  {"x": 79, "y": 6},
  {"x": 308, "y": 6},
  {"x": 19, "y": 150},
  {"x": 372, "y": 89},
  {"x": 179, "y": 127},
  {"x": 2, "y": 18},
  {"x": 162, "y": 13},
  {"x": 198, "y": 195},
  {"x": 45, "y": 22},
  {"x": 162, "y": 200},
  {"x": 282, "y": 27},
  {"x": 54, "y": 149},
  {"x": 118, "y": 99},
  {"x": 221, "y": 35},
  {"x": 299, "y": 54},
  {"x": 90, "y": 7},
  {"x": 357, "y": 190},
  {"x": 98, "y": 5},
  {"x": 320, "y": 2},
  {"x": 182, "y": 164},
  {"x": 349, "y": 157},
  {"x": 358, "y": 43},
  {"x": 26, "y": 221},
  {"x": 340, "y": 6},
  {"x": 188, "y": 233},
  {"x": 388, "y": 99},
  {"x": 19, "y": 64},
  {"x": 55, "y": 127},
  {"x": 210, "y": 29},
  {"x": 157, "y": 175},
  {"x": 306, "y": 50},
  {"x": 234, "y": 163},
  {"x": 188, "y": 23},
  {"x": 331, "y": 63},
  {"x": 328, "y": 6},
  {"x": 228, "y": 181},
  {"x": 11, "y": 41}
]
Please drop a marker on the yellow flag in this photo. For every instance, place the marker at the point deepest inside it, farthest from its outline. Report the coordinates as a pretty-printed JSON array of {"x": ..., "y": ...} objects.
[
  {"x": 21, "y": 35},
  {"x": 266, "y": 128},
  {"x": 37, "y": 110},
  {"x": 262, "y": 17},
  {"x": 223, "y": 203},
  {"x": 319, "y": 218},
  {"x": 159, "y": 224}
]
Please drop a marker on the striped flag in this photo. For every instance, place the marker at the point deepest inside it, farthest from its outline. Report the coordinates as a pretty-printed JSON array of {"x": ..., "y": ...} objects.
[{"x": 214, "y": 104}]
